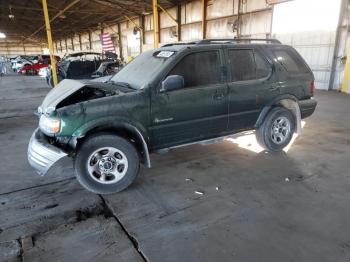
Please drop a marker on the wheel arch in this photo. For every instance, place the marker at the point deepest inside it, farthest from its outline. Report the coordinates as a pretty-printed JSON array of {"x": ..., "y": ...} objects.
[
  {"x": 289, "y": 102},
  {"x": 125, "y": 130}
]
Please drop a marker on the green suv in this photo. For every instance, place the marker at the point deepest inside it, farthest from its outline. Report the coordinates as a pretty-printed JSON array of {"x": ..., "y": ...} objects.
[{"x": 176, "y": 95}]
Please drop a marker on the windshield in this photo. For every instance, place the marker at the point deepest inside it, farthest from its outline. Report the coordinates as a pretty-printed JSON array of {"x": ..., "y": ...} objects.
[{"x": 141, "y": 70}]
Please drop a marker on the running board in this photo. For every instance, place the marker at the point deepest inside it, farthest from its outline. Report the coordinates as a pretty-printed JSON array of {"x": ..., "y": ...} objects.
[{"x": 201, "y": 142}]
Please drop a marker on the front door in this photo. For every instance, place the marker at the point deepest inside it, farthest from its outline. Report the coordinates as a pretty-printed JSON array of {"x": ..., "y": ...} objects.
[
  {"x": 251, "y": 83},
  {"x": 197, "y": 111}
]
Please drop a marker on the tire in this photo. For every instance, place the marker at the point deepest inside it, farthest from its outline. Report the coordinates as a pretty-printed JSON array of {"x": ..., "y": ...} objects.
[
  {"x": 277, "y": 130},
  {"x": 121, "y": 164}
]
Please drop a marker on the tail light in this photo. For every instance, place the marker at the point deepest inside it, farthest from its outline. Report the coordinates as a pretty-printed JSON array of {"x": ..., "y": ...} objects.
[{"x": 312, "y": 87}]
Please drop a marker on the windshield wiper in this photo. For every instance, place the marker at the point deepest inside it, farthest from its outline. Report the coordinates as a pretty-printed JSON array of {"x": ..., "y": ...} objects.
[{"x": 122, "y": 84}]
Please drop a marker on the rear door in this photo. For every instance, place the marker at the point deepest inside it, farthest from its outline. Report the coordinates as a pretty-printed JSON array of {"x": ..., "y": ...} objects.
[
  {"x": 197, "y": 111},
  {"x": 251, "y": 86},
  {"x": 296, "y": 76}
]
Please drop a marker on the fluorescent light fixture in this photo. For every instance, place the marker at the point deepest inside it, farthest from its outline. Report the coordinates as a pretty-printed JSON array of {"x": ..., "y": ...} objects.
[{"x": 2, "y": 35}]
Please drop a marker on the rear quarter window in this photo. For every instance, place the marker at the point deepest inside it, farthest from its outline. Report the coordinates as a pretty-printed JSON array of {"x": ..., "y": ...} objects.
[{"x": 291, "y": 61}]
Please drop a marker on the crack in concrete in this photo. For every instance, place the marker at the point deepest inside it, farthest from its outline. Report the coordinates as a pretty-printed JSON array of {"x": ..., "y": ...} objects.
[
  {"x": 37, "y": 186},
  {"x": 108, "y": 212}
]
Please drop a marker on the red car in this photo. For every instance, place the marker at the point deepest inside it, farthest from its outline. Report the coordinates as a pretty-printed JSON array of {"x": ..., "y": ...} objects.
[{"x": 32, "y": 69}]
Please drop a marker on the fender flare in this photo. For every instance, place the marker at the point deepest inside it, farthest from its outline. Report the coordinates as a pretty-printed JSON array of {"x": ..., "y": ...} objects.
[
  {"x": 109, "y": 123},
  {"x": 287, "y": 101}
]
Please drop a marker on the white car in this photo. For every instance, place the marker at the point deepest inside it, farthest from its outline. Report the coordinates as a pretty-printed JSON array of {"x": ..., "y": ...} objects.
[
  {"x": 43, "y": 72},
  {"x": 18, "y": 64}
]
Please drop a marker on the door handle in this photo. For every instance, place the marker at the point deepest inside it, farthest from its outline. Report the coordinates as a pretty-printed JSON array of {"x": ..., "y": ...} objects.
[{"x": 218, "y": 96}]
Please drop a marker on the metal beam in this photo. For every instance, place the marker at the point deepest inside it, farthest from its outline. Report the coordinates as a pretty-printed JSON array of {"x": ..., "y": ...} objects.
[
  {"x": 72, "y": 42},
  {"x": 343, "y": 12},
  {"x": 80, "y": 43},
  {"x": 172, "y": 18},
  {"x": 120, "y": 42},
  {"x": 19, "y": 7},
  {"x": 142, "y": 35},
  {"x": 204, "y": 16},
  {"x": 90, "y": 40},
  {"x": 49, "y": 40},
  {"x": 155, "y": 23},
  {"x": 56, "y": 16},
  {"x": 179, "y": 23}
]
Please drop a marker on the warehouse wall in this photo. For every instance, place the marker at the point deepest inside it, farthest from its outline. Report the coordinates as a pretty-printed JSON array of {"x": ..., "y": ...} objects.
[
  {"x": 253, "y": 20},
  {"x": 313, "y": 34},
  {"x": 13, "y": 48}
]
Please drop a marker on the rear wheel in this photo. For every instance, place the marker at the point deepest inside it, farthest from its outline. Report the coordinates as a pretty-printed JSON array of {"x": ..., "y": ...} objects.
[
  {"x": 277, "y": 130},
  {"x": 106, "y": 164}
]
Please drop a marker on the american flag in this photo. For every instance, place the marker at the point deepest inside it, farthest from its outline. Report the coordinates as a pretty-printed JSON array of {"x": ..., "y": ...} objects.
[{"x": 107, "y": 44}]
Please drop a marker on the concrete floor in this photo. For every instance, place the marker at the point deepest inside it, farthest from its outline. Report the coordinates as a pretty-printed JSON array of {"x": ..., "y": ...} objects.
[{"x": 256, "y": 206}]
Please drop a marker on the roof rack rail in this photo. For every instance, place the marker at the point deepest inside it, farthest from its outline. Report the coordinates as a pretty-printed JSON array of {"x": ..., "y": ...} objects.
[
  {"x": 180, "y": 43},
  {"x": 237, "y": 40}
]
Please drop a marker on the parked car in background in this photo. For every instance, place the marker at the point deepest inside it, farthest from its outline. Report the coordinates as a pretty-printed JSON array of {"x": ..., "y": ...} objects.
[
  {"x": 84, "y": 65},
  {"x": 43, "y": 72},
  {"x": 33, "y": 69},
  {"x": 19, "y": 63},
  {"x": 177, "y": 95}
]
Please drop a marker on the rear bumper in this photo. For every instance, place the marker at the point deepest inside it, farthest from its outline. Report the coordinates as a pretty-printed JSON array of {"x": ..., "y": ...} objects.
[
  {"x": 41, "y": 154},
  {"x": 307, "y": 107}
]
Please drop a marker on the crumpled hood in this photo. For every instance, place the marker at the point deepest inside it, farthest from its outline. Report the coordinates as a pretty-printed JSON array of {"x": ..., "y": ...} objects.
[{"x": 64, "y": 89}]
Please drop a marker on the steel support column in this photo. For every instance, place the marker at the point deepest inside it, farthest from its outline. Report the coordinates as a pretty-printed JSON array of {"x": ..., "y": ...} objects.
[
  {"x": 120, "y": 42},
  {"x": 346, "y": 77},
  {"x": 80, "y": 43},
  {"x": 342, "y": 13},
  {"x": 90, "y": 40},
  {"x": 178, "y": 23},
  {"x": 204, "y": 16},
  {"x": 155, "y": 23},
  {"x": 49, "y": 40}
]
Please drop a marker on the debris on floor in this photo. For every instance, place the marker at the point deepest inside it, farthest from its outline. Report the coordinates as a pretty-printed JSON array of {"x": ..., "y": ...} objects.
[
  {"x": 189, "y": 179},
  {"x": 199, "y": 192},
  {"x": 217, "y": 188},
  {"x": 286, "y": 179}
]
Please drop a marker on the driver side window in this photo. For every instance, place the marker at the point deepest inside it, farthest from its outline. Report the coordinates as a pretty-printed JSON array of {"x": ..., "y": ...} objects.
[{"x": 200, "y": 68}]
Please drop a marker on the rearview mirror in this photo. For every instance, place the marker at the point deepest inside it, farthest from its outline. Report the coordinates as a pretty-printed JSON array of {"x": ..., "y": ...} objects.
[{"x": 173, "y": 82}]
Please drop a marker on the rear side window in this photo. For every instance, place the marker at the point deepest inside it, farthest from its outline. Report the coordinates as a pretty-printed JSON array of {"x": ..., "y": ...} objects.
[
  {"x": 290, "y": 61},
  {"x": 246, "y": 64},
  {"x": 201, "y": 68}
]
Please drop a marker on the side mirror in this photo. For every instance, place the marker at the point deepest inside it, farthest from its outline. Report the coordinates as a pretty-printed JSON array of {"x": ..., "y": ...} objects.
[{"x": 173, "y": 82}]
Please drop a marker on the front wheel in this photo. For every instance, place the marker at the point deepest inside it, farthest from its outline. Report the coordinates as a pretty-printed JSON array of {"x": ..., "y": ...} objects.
[
  {"x": 106, "y": 164},
  {"x": 277, "y": 130}
]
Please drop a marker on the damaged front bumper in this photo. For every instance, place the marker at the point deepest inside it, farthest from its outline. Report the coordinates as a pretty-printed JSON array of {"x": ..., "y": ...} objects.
[{"x": 41, "y": 154}]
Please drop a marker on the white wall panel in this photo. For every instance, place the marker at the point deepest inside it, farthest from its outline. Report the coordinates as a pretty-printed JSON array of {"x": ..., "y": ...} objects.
[
  {"x": 219, "y": 8},
  {"x": 148, "y": 22},
  {"x": 191, "y": 12},
  {"x": 256, "y": 23},
  {"x": 317, "y": 49},
  {"x": 165, "y": 20},
  {"x": 252, "y": 5},
  {"x": 191, "y": 32},
  {"x": 219, "y": 28},
  {"x": 168, "y": 35}
]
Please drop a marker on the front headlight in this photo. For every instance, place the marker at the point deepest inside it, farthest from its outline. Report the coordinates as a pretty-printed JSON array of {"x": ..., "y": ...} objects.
[{"x": 49, "y": 125}]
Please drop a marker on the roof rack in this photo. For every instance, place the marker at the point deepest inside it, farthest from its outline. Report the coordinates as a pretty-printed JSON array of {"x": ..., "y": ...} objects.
[
  {"x": 180, "y": 43},
  {"x": 237, "y": 40}
]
